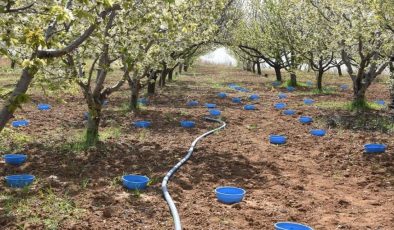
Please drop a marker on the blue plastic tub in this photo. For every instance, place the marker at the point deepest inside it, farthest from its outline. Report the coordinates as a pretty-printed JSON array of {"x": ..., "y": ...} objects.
[
  {"x": 188, "y": 124},
  {"x": 86, "y": 115},
  {"x": 15, "y": 159},
  {"x": 236, "y": 100},
  {"x": 135, "y": 182},
  {"x": 192, "y": 103},
  {"x": 289, "y": 112},
  {"x": 229, "y": 195},
  {"x": 282, "y": 96},
  {"x": 241, "y": 89},
  {"x": 308, "y": 101},
  {"x": 43, "y": 107},
  {"x": 276, "y": 83},
  {"x": 19, "y": 181},
  {"x": 143, "y": 101},
  {"x": 249, "y": 107},
  {"x": 254, "y": 97},
  {"x": 214, "y": 112},
  {"x": 142, "y": 124},
  {"x": 232, "y": 85},
  {"x": 222, "y": 95},
  {"x": 278, "y": 139},
  {"x": 290, "y": 88},
  {"x": 291, "y": 226},
  {"x": 280, "y": 105},
  {"x": 309, "y": 84},
  {"x": 380, "y": 102},
  {"x": 305, "y": 119},
  {"x": 344, "y": 87},
  {"x": 318, "y": 132},
  {"x": 210, "y": 106},
  {"x": 375, "y": 148},
  {"x": 20, "y": 123}
]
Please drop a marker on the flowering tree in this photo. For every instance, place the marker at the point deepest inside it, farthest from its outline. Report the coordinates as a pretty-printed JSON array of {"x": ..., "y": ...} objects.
[{"x": 41, "y": 33}]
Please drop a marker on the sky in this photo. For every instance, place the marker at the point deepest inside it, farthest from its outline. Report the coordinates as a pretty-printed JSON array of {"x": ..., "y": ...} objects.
[{"x": 219, "y": 56}]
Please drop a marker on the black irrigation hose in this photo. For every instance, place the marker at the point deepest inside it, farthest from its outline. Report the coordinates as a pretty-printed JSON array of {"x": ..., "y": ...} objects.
[{"x": 171, "y": 204}]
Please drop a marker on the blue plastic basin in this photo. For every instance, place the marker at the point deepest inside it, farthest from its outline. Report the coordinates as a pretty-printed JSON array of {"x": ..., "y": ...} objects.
[
  {"x": 254, "y": 97},
  {"x": 142, "y": 124},
  {"x": 344, "y": 87},
  {"x": 290, "y": 88},
  {"x": 188, "y": 124},
  {"x": 236, "y": 100},
  {"x": 308, "y": 101},
  {"x": 210, "y": 106},
  {"x": 20, "y": 123},
  {"x": 380, "y": 102},
  {"x": 249, "y": 107},
  {"x": 214, "y": 112},
  {"x": 305, "y": 119},
  {"x": 375, "y": 148},
  {"x": 282, "y": 96},
  {"x": 135, "y": 182},
  {"x": 19, "y": 181},
  {"x": 291, "y": 226},
  {"x": 232, "y": 85},
  {"x": 289, "y": 112},
  {"x": 280, "y": 105},
  {"x": 278, "y": 139},
  {"x": 143, "y": 101},
  {"x": 192, "y": 103},
  {"x": 86, "y": 115},
  {"x": 276, "y": 83},
  {"x": 43, "y": 107},
  {"x": 309, "y": 83},
  {"x": 229, "y": 195},
  {"x": 318, "y": 132},
  {"x": 15, "y": 159},
  {"x": 222, "y": 95}
]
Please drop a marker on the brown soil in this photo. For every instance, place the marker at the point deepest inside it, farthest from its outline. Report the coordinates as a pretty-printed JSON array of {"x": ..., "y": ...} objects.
[{"x": 325, "y": 182}]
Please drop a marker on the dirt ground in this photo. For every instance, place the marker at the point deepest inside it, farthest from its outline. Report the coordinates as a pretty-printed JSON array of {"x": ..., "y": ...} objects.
[{"x": 325, "y": 182}]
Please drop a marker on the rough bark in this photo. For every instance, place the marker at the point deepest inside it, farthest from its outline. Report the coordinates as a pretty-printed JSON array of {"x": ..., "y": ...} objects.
[
  {"x": 258, "y": 68},
  {"x": 319, "y": 79},
  {"x": 163, "y": 75},
  {"x": 293, "y": 79},
  {"x": 135, "y": 90},
  {"x": 391, "y": 105},
  {"x": 339, "y": 69},
  {"x": 170, "y": 73},
  {"x": 278, "y": 73}
]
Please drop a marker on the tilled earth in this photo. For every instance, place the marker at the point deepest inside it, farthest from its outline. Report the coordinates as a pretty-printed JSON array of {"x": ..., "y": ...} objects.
[{"x": 325, "y": 182}]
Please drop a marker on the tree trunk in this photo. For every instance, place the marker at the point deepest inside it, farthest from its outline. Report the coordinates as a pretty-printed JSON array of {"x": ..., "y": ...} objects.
[
  {"x": 339, "y": 69},
  {"x": 17, "y": 97},
  {"x": 180, "y": 68},
  {"x": 293, "y": 79},
  {"x": 391, "y": 67},
  {"x": 358, "y": 92},
  {"x": 92, "y": 131},
  {"x": 278, "y": 73},
  {"x": 170, "y": 73},
  {"x": 258, "y": 68},
  {"x": 319, "y": 79},
  {"x": 186, "y": 67},
  {"x": 162, "y": 80},
  {"x": 135, "y": 91},
  {"x": 13, "y": 63},
  {"x": 254, "y": 67},
  {"x": 151, "y": 86}
]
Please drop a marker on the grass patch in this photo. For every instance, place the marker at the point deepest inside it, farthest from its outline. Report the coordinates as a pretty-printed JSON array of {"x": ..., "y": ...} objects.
[
  {"x": 45, "y": 209},
  {"x": 11, "y": 140},
  {"x": 288, "y": 83},
  {"x": 349, "y": 106}
]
